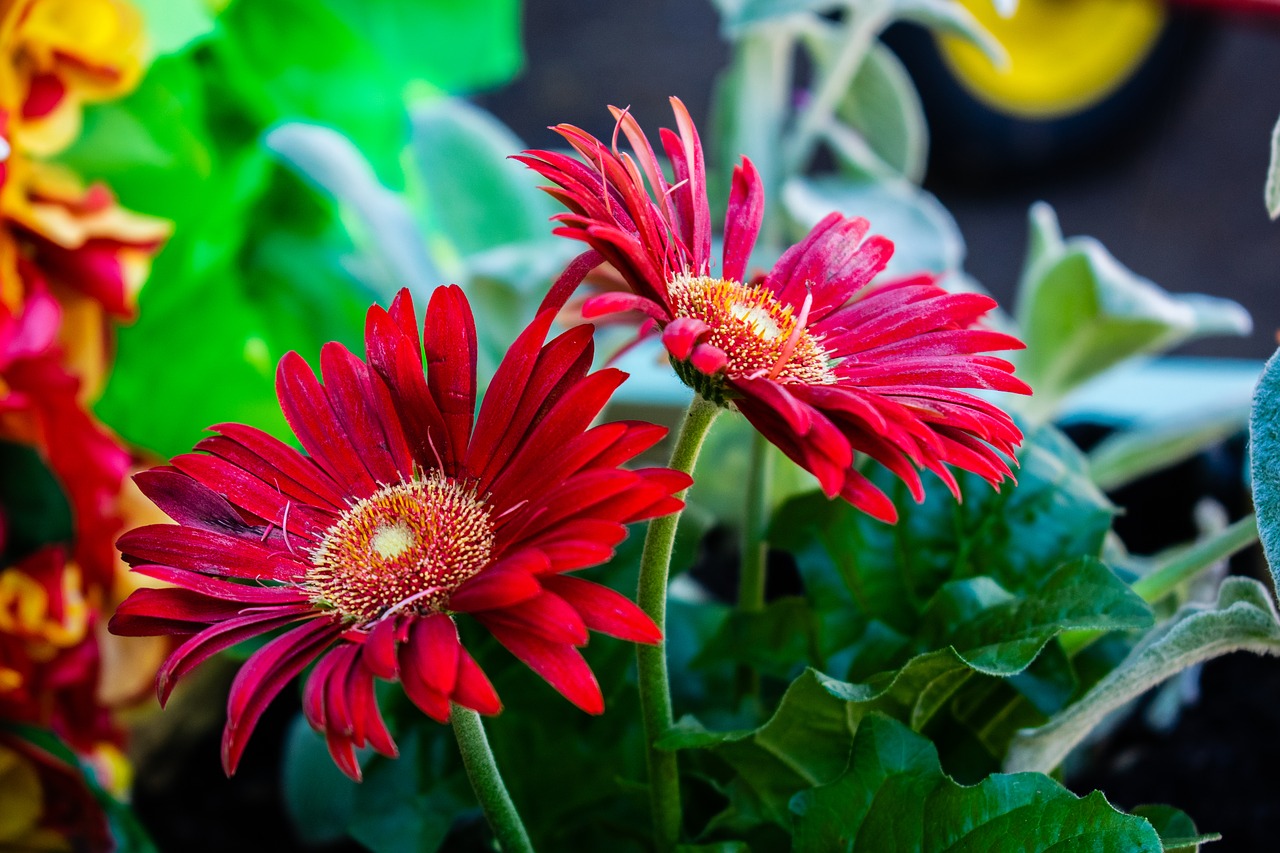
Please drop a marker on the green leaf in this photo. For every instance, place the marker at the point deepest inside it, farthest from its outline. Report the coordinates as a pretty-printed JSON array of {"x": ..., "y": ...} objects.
[
  {"x": 1244, "y": 619},
  {"x": 1017, "y": 537},
  {"x": 391, "y": 243},
  {"x": 1002, "y": 638},
  {"x": 298, "y": 59},
  {"x": 1080, "y": 312},
  {"x": 459, "y": 47},
  {"x": 33, "y": 506},
  {"x": 778, "y": 640},
  {"x": 1176, "y": 829},
  {"x": 883, "y": 131},
  {"x": 319, "y": 798},
  {"x": 1272, "y": 191},
  {"x": 173, "y": 24},
  {"x": 925, "y": 236},
  {"x": 894, "y": 796},
  {"x": 1264, "y": 462},
  {"x": 806, "y": 741},
  {"x": 1126, "y": 456},
  {"x": 410, "y": 802},
  {"x": 476, "y": 197},
  {"x": 949, "y": 18}
]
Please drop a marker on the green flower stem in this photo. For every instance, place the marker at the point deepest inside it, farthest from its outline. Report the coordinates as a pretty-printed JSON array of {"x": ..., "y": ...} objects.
[
  {"x": 1180, "y": 568},
  {"x": 482, "y": 770},
  {"x": 1188, "y": 563},
  {"x": 752, "y": 572},
  {"x": 754, "y": 550},
  {"x": 869, "y": 19},
  {"x": 651, "y": 661}
]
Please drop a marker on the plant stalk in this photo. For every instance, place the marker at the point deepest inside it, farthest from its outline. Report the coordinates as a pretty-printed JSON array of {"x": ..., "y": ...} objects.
[
  {"x": 651, "y": 661},
  {"x": 860, "y": 32},
  {"x": 1178, "y": 569},
  {"x": 752, "y": 574},
  {"x": 486, "y": 781},
  {"x": 1187, "y": 564}
]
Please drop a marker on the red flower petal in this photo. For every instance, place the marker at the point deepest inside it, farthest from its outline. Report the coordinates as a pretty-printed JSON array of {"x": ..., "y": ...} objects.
[
  {"x": 681, "y": 334},
  {"x": 307, "y": 409},
  {"x": 430, "y": 654},
  {"x": 604, "y": 610},
  {"x": 449, "y": 340},
  {"x": 560, "y": 664},
  {"x": 547, "y": 615},
  {"x": 742, "y": 220},
  {"x": 493, "y": 588},
  {"x": 473, "y": 689},
  {"x": 262, "y": 677}
]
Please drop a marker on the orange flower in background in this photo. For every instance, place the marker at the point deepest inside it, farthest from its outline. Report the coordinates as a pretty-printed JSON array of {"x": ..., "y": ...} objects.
[
  {"x": 71, "y": 260},
  {"x": 61, "y": 55},
  {"x": 71, "y": 264},
  {"x": 47, "y": 805},
  {"x": 49, "y": 658},
  {"x": 39, "y": 406},
  {"x": 78, "y": 237}
]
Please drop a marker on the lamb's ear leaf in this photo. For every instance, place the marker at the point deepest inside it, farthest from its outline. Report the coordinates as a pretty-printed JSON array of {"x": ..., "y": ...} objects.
[{"x": 1264, "y": 462}]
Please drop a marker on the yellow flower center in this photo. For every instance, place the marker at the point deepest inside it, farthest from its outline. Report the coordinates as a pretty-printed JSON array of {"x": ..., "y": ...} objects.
[
  {"x": 406, "y": 547},
  {"x": 761, "y": 336}
]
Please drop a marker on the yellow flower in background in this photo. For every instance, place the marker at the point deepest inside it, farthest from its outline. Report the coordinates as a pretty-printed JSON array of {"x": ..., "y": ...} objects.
[
  {"x": 63, "y": 54},
  {"x": 47, "y": 805},
  {"x": 71, "y": 263}
]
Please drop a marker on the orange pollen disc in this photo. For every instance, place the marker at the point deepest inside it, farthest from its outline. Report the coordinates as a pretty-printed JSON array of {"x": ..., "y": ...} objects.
[
  {"x": 406, "y": 547},
  {"x": 761, "y": 336}
]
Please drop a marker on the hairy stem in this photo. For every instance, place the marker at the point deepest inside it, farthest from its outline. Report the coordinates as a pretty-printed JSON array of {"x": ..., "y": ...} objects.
[
  {"x": 651, "y": 661},
  {"x": 486, "y": 781},
  {"x": 752, "y": 574}
]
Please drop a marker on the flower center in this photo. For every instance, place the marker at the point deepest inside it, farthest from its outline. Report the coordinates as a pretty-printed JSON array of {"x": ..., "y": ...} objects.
[
  {"x": 761, "y": 336},
  {"x": 409, "y": 545}
]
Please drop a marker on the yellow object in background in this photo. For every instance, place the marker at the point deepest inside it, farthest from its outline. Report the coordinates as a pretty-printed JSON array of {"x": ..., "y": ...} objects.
[{"x": 1064, "y": 55}]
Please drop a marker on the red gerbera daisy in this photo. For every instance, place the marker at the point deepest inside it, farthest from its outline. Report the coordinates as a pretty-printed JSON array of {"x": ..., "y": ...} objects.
[
  {"x": 403, "y": 514},
  {"x": 821, "y": 360}
]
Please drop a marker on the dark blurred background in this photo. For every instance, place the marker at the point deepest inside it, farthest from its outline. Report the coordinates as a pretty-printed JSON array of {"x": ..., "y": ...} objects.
[{"x": 1175, "y": 190}]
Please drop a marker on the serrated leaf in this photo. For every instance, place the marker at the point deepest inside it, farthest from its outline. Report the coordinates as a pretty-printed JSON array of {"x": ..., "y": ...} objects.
[
  {"x": 1264, "y": 462},
  {"x": 855, "y": 567},
  {"x": 894, "y": 796},
  {"x": 1244, "y": 619},
  {"x": 1002, "y": 638},
  {"x": 1080, "y": 312},
  {"x": 806, "y": 741}
]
